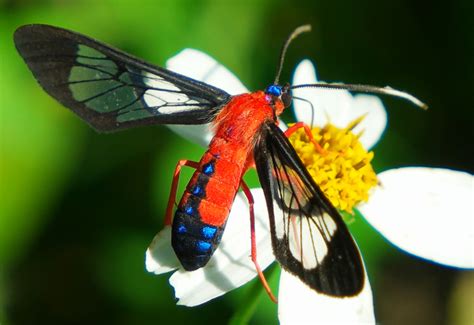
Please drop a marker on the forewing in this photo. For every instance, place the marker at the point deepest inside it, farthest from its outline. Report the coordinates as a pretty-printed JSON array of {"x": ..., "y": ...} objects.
[
  {"x": 309, "y": 237},
  {"x": 111, "y": 89}
]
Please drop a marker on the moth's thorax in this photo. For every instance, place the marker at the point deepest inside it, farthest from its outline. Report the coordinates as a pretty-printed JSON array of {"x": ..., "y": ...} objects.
[{"x": 241, "y": 119}]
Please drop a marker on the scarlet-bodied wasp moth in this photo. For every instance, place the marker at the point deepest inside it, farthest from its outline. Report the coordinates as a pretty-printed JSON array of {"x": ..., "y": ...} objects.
[{"x": 112, "y": 90}]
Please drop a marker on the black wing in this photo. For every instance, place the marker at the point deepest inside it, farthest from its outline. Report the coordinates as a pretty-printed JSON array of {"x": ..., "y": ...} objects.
[
  {"x": 111, "y": 89},
  {"x": 309, "y": 237}
]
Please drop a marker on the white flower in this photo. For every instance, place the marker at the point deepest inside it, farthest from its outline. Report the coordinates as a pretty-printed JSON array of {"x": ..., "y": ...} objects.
[
  {"x": 422, "y": 203},
  {"x": 427, "y": 212}
]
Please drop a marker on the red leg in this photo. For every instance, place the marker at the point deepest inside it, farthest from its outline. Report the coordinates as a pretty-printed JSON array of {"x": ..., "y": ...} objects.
[
  {"x": 174, "y": 187},
  {"x": 253, "y": 240},
  {"x": 292, "y": 129}
]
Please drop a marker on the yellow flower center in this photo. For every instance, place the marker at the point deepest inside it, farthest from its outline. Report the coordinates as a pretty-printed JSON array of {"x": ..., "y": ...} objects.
[{"x": 343, "y": 171}]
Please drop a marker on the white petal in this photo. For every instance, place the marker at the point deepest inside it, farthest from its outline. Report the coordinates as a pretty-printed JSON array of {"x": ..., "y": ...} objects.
[
  {"x": 338, "y": 107},
  {"x": 374, "y": 122},
  {"x": 231, "y": 265},
  {"x": 328, "y": 105},
  {"x": 299, "y": 304},
  {"x": 200, "y": 134},
  {"x": 305, "y": 73},
  {"x": 200, "y": 66},
  {"x": 160, "y": 257},
  {"x": 427, "y": 212},
  {"x": 282, "y": 125}
]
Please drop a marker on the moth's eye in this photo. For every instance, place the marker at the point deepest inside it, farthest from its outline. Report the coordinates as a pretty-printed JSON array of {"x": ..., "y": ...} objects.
[{"x": 286, "y": 98}]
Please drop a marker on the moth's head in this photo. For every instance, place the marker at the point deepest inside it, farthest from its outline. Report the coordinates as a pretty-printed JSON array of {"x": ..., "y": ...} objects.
[{"x": 279, "y": 97}]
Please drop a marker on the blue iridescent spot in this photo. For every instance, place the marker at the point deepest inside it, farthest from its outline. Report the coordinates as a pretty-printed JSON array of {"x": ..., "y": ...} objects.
[
  {"x": 203, "y": 246},
  {"x": 197, "y": 190},
  {"x": 273, "y": 90},
  {"x": 181, "y": 229},
  {"x": 208, "y": 169},
  {"x": 189, "y": 210},
  {"x": 208, "y": 232}
]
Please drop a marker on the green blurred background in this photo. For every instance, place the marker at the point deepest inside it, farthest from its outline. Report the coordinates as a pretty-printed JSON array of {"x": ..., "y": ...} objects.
[{"x": 78, "y": 209}]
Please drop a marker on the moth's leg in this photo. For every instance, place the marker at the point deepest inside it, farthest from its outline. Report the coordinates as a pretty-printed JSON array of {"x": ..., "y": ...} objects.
[
  {"x": 253, "y": 241},
  {"x": 292, "y": 129},
  {"x": 174, "y": 187}
]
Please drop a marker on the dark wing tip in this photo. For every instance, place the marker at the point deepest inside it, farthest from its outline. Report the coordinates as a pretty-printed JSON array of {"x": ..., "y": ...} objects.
[
  {"x": 37, "y": 28},
  {"x": 23, "y": 34},
  {"x": 27, "y": 37},
  {"x": 24, "y": 30},
  {"x": 30, "y": 31}
]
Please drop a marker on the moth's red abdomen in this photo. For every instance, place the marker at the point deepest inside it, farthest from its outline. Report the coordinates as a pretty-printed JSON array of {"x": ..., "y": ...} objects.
[{"x": 202, "y": 213}]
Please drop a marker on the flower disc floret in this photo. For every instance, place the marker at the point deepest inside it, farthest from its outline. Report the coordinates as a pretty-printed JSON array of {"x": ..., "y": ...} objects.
[{"x": 343, "y": 171}]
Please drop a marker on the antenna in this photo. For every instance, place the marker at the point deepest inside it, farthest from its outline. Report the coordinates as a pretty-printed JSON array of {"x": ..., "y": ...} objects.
[
  {"x": 296, "y": 33},
  {"x": 367, "y": 89}
]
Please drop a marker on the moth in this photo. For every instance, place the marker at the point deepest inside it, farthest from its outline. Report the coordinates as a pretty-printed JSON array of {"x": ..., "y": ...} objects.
[{"x": 112, "y": 90}]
